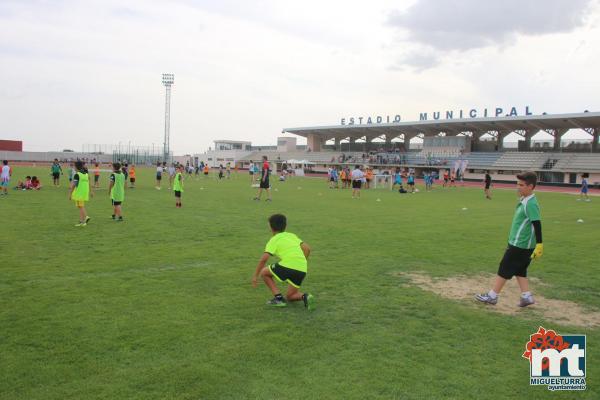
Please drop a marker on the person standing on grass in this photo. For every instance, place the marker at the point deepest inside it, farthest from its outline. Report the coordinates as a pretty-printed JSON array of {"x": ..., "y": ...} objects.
[
  {"x": 292, "y": 266},
  {"x": 80, "y": 191},
  {"x": 72, "y": 172},
  {"x": 171, "y": 171},
  {"x": 159, "y": 171},
  {"x": 56, "y": 171},
  {"x": 357, "y": 179},
  {"x": 5, "y": 174},
  {"x": 251, "y": 172},
  {"x": 178, "y": 186},
  {"x": 584, "y": 188},
  {"x": 368, "y": 178},
  {"x": 410, "y": 181},
  {"x": 333, "y": 178},
  {"x": 524, "y": 243},
  {"x": 132, "y": 176},
  {"x": 488, "y": 185},
  {"x": 96, "y": 175},
  {"x": 116, "y": 191},
  {"x": 264, "y": 181}
]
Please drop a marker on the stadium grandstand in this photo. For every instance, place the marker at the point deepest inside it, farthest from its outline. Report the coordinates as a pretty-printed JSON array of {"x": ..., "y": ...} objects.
[{"x": 474, "y": 146}]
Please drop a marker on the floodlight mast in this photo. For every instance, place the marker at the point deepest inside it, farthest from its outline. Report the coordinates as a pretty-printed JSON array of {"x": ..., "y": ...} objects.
[{"x": 167, "y": 80}]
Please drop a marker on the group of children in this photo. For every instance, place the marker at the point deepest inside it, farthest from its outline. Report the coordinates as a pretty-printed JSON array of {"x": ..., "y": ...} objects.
[
  {"x": 524, "y": 242},
  {"x": 30, "y": 183}
]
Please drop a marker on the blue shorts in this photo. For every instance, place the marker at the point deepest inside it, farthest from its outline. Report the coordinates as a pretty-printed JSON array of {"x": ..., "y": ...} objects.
[
  {"x": 4, "y": 183},
  {"x": 584, "y": 190}
]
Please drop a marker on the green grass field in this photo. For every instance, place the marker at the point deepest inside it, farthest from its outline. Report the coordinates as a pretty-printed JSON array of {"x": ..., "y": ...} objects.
[{"x": 161, "y": 306}]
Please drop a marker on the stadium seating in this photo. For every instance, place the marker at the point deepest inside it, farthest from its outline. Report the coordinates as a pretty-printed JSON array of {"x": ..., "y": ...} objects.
[
  {"x": 577, "y": 162},
  {"x": 520, "y": 160}
]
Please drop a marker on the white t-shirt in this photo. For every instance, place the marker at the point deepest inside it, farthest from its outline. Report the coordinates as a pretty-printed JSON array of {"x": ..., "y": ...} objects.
[
  {"x": 5, "y": 172},
  {"x": 357, "y": 175},
  {"x": 172, "y": 171},
  {"x": 159, "y": 170}
]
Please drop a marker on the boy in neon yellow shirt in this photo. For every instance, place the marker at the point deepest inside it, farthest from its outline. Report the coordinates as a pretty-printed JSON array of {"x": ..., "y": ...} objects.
[
  {"x": 80, "y": 191},
  {"x": 292, "y": 266},
  {"x": 178, "y": 186}
]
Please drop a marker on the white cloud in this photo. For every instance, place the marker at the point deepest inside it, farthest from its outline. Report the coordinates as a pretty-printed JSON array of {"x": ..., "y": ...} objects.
[{"x": 77, "y": 72}]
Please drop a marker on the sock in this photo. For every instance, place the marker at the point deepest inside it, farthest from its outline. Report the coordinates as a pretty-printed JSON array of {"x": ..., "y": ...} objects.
[
  {"x": 492, "y": 294},
  {"x": 525, "y": 295}
]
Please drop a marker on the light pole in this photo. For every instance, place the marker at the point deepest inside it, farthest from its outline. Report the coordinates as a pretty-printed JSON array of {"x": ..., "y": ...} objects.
[{"x": 167, "y": 80}]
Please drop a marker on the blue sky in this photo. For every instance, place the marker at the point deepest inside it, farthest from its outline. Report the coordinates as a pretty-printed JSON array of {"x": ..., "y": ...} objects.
[{"x": 83, "y": 72}]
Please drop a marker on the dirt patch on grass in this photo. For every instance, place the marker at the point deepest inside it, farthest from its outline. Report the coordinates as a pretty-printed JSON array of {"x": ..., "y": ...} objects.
[{"x": 466, "y": 287}]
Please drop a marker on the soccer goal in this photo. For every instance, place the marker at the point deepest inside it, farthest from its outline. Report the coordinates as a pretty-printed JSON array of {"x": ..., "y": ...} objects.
[{"x": 382, "y": 182}]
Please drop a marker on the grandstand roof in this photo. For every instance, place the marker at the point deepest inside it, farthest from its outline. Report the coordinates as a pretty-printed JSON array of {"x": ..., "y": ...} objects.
[{"x": 455, "y": 126}]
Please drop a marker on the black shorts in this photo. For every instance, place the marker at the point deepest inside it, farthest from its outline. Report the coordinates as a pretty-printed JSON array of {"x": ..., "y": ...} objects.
[
  {"x": 356, "y": 184},
  {"x": 178, "y": 194},
  {"x": 283, "y": 274},
  {"x": 158, "y": 177},
  {"x": 487, "y": 185},
  {"x": 132, "y": 180},
  {"x": 96, "y": 177},
  {"x": 514, "y": 262},
  {"x": 264, "y": 184},
  {"x": 251, "y": 172},
  {"x": 56, "y": 175},
  {"x": 116, "y": 203}
]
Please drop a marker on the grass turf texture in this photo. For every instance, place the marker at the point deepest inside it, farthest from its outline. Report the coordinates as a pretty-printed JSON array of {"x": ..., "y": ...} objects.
[{"x": 161, "y": 306}]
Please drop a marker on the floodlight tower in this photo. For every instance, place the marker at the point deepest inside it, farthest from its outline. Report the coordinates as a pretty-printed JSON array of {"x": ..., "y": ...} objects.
[{"x": 167, "y": 80}]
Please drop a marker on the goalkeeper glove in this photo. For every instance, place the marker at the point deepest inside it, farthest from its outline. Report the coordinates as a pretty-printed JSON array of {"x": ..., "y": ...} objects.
[{"x": 538, "y": 251}]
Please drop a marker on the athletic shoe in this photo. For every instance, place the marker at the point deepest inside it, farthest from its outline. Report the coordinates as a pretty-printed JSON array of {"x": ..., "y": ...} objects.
[
  {"x": 526, "y": 301},
  {"x": 113, "y": 216},
  {"x": 486, "y": 298},
  {"x": 256, "y": 198},
  {"x": 87, "y": 219},
  {"x": 81, "y": 224},
  {"x": 309, "y": 301},
  {"x": 275, "y": 302},
  {"x": 120, "y": 219},
  {"x": 268, "y": 200}
]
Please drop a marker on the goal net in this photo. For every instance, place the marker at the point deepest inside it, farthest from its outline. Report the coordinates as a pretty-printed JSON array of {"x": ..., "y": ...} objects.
[{"x": 382, "y": 182}]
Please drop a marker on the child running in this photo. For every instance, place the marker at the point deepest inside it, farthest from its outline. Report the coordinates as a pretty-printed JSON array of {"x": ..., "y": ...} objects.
[
  {"x": 80, "y": 191},
  {"x": 116, "y": 191},
  {"x": 292, "y": 266}
]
